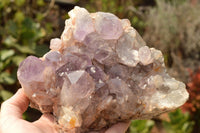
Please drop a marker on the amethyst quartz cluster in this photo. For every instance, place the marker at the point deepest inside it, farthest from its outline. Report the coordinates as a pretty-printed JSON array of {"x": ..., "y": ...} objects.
[{"x": 100, "y": 72}]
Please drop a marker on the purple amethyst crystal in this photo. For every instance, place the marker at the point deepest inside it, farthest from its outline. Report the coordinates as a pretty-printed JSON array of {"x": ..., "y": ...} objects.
[{"x": 98, "y": 74}]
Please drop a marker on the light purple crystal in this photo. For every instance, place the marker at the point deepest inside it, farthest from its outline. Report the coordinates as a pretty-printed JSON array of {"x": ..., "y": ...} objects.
[
  {"x": 55, "y": 44},
  {"x": 108, "y": 26},
  {"x": 100, "y": 72},
  {"x": 82, "y": 22}
]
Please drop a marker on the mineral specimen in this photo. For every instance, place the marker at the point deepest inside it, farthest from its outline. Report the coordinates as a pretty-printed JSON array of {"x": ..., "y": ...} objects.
[{"x": 100, "y": 72}]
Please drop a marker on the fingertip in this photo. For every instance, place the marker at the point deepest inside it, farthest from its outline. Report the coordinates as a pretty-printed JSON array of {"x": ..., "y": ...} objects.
[
  {"x": 48, "y": 117},
  {"x": 118, "y": 128}
]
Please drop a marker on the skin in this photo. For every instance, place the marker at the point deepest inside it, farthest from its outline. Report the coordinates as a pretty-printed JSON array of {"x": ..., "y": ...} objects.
[{"x": 11, "y": 118}]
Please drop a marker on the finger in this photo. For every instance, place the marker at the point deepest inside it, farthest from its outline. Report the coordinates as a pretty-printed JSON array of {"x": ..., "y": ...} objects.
[
  {"x": 47, "y": 117},
  {"x": 118, "y": 128},
  {"x": 16, "y": 105},
  {"x": 46, "y": 123}
]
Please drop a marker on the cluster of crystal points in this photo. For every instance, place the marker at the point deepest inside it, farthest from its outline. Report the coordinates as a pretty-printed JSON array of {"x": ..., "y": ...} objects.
[{"x": 98, "y": 73}]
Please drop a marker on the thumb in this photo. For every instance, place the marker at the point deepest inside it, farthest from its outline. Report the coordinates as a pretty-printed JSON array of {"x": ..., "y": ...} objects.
[{"x": 16, "y": 105}]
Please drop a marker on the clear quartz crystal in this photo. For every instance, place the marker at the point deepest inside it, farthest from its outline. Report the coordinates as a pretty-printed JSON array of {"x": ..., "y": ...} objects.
[{"x": 100, "y": 72}]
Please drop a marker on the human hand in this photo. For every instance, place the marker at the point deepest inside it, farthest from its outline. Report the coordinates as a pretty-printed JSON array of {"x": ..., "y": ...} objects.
[
  {"x": 11, "y": 118},
  {"x": 118, "y": 128}
]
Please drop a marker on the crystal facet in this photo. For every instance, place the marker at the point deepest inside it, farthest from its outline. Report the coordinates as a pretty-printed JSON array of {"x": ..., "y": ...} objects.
[{"x": 98, "y": 74}]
